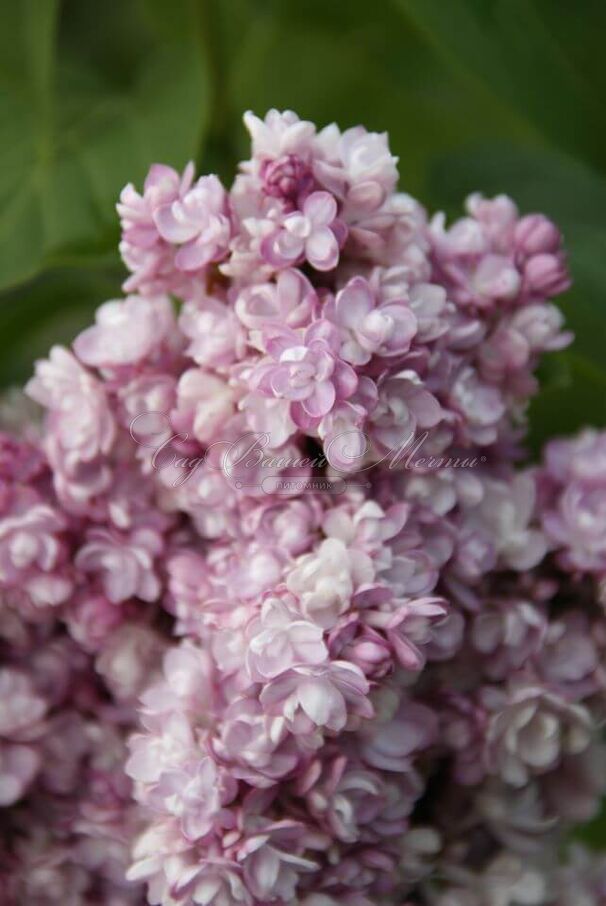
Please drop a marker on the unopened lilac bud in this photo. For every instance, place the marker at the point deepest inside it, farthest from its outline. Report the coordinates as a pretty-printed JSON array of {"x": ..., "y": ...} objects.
[
  {"x": 546, "y": 275},
  {"x": 372, "y": 655},
  {"x": 535, "y": 233}
]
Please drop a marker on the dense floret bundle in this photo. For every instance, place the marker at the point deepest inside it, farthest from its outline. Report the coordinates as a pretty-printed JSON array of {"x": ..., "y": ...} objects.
[{"x": 281, "y": 620}]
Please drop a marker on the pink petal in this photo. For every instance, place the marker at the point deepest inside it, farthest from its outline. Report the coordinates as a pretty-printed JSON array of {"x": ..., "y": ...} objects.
[
  {"x": 308, "y": 643},
  {"x": 354, "y": 302},
  {"x": 171, "y": 228},
  {"x": 426, "y": 408},
  {"x": 321, "y": 208},
  {"x": 303, "y": 419},
  {"x": 318, "y": 700},
  {"x": 161, "y": 174},
  {"x": 194, "y": 255},
  {"x": 408, "y": 654},
  {"x": 297, "y": 226},
  {"x": 322, "y": 249},
  {"x": 265, "y": 869},
  {"x": 345, "y": 380},
  {"x": 321, "y": 400},
  {"x": 325, "y": 331},
  {"x": 282, "y": 385},
  {"x": 282, "y": 249}
]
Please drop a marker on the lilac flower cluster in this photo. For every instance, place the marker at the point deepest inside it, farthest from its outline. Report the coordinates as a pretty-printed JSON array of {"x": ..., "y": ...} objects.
[{"x": 280, "y": 622}]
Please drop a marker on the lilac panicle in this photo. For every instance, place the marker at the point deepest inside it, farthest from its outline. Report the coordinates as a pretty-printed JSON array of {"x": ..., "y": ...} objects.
[{"x": 281, "y": 620}]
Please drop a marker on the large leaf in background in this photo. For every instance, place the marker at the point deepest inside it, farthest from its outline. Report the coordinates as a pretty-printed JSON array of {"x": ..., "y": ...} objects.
[
  {"x": 51, "y": 309},
  {"x": 574, "y": 382},
  {"x": 85, "y": 107},
  {"x": 594, "y": 832},
  {"x": 520, "y": 50},
  {"x": 572, "y": 396}
]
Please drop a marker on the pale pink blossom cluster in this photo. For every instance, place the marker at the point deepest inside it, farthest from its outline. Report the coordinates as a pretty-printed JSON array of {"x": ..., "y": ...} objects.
[{"x": 280, "y": 621}]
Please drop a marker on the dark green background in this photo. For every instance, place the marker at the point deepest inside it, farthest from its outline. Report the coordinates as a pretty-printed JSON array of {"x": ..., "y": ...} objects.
[{"x": 495, "y": 95}]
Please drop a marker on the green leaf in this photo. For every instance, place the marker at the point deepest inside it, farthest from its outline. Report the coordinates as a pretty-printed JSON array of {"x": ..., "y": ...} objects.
[
  {"x": 575, "y": 400},
  {"x": 81, "y": 115},
  {"x": 51, "y": 309},
  {"x": 513, "y": 48},
  {"x": 593, "y": 833}
]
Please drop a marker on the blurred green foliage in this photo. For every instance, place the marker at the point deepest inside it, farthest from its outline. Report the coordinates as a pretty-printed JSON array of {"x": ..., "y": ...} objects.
[{"x": 496, "y": 95}]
